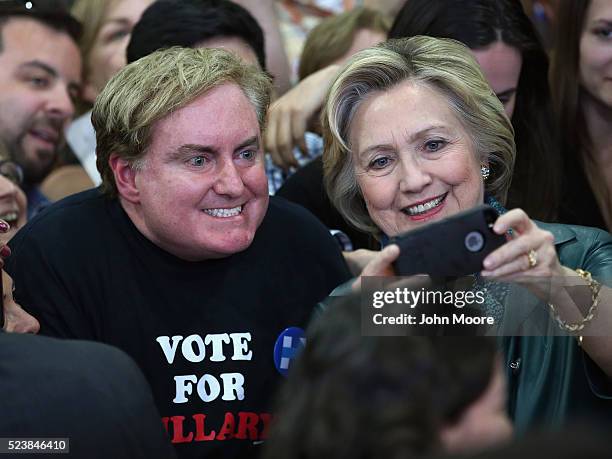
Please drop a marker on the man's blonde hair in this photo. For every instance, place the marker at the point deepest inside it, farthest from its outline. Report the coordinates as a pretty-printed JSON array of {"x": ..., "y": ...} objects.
[
  {"x": 156, "y": 85},
  {"x": 447, "y": 67}
]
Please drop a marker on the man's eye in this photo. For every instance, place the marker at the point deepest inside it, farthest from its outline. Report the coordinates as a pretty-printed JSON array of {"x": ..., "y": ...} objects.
[
  {"x": 39, "y": 82},
  {"x": 248, "y": 154},
  {"x": 197, "y": 161}
]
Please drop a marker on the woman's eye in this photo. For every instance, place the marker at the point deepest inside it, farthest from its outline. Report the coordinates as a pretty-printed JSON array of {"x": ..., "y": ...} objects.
[
  {"x": 197, "y": 161},
  {"x": 434, "y": 145},
  {"x": 604, "y": 33},
  {"x": 117, "y": 35},
  {"x": 380, "y": 163}
]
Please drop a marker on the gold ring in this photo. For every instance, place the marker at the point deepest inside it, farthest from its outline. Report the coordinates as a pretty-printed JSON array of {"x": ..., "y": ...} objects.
[{"x": 532, "y": 259}]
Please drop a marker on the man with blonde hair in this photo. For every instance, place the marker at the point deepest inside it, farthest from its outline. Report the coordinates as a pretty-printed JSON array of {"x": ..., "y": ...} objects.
[{"x": 180, "y": 258}]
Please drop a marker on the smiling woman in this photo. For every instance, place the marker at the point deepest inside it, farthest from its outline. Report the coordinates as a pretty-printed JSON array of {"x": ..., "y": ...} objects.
[
  {"x": 13, "y": 203},
  {"x": 508, "y": 49},
  {"x": 414, "y": 133},
  {"x": 433, "y": 162},
  {"x": 390, "y": 146}
]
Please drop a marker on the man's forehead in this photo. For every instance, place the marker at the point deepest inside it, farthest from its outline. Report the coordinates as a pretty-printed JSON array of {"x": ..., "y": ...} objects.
[
  {"x": 29, "y": 40},
  {"x": 226, "y": 102},
  {"x": 22, "y": 33},
  {"x": 221, "y": 116}
]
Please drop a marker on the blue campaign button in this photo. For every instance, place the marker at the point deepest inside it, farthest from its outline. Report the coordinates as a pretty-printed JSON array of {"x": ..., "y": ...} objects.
[{"x": 287, "y": 346}]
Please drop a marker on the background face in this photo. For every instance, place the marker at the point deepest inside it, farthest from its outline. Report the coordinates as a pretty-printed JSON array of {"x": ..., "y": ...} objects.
[
  {"x": 107, "y": 55},
  {"x": 596, "y": 52},
  {"x": 13, "y": 206},
  {"x": 203, "y": 192},
  {"x": 414, "y": 161},
  {"x": 40, "y": 74},
  {"x": 501, "y": 65}
]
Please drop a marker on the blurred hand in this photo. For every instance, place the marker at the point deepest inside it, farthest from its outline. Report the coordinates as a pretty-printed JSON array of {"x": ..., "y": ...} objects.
[
  {"x": 378, "y": 264},
  {"x": 288, "y": 117},
  {"x": 358, "y": 259}
]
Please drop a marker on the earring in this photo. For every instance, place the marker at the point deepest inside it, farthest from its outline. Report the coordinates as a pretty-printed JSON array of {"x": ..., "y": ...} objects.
[{"x": 485, "y": 171}]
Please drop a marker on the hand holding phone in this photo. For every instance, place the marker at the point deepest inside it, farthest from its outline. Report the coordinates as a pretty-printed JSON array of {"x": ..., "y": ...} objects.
[{"x": 453, "y": 247}]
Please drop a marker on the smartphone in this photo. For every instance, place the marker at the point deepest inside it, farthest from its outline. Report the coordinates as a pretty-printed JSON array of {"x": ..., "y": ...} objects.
[{"x": 453, "y": 247}]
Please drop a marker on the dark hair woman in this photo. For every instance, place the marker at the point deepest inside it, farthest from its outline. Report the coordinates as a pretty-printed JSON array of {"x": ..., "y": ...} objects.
[
  {"x": 582, "y": 94},
  {"x": 508, "y": 49}
]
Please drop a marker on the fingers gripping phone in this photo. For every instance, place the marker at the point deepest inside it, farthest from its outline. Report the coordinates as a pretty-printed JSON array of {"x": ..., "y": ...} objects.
[{"x": 453, "y": 247}]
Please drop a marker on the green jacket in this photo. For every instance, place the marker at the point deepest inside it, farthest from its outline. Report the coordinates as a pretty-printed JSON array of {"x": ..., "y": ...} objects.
[{"x": 551, "y": 380}]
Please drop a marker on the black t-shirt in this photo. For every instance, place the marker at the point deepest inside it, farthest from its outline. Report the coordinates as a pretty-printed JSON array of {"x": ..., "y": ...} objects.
[
  {"x": 305, "y": 188},
  {"x": 90, "y": 393},
  {"x": 204, "y": 333}
]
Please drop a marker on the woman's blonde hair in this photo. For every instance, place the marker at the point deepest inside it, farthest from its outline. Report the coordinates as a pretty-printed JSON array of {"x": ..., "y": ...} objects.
[
  {"x": 149, "y": 89},
  {"x": 333, "y": 37},
  {"x": 91, "y": 14},
  {"x": 443, "y": 65}
]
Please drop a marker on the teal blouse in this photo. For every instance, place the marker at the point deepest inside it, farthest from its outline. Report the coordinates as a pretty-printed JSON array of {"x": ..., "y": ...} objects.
[{"x": 551, "y": 380}]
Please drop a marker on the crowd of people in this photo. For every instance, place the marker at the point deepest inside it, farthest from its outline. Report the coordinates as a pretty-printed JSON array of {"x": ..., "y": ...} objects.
[{"x": 189, "y": 241}]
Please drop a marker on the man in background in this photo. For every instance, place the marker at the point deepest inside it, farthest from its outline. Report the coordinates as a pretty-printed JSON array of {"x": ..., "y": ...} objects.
[{"x": 40, "y": 78}]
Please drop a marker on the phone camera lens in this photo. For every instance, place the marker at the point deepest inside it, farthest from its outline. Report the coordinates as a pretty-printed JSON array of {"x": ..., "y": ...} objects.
[{"x": 474, "y": 241}]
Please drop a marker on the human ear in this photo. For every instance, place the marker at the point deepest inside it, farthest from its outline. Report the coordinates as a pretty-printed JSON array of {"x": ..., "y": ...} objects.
[{"x": 125, "y": 178}]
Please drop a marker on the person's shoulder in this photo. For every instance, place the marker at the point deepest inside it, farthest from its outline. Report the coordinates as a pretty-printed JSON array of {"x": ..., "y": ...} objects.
[
  {"x": 582, "y": 234},
  {"x": 290, "y": 221},
  {"x": 67, "y": 359},
  {"x": 53, "y": 382},
  {"x": 308, "y": 178},
  {"x": 91, "y": 199},
  {"x": 281, "y": 209},
  {"x": 73, "y": 215},
  {"x": 288, "y": 216},
  {"x": 583, "y": 247}
]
